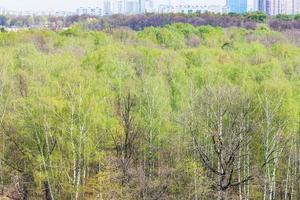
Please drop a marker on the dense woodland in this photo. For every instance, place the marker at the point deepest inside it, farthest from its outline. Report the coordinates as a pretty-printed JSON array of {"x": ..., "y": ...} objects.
[
  {"x": 139, "y": 22},
  {"x": 179, "y": 112}
]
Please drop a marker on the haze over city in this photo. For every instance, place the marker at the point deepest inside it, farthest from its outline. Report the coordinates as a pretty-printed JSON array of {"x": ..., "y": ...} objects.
[{"x": 70, "y": 5}]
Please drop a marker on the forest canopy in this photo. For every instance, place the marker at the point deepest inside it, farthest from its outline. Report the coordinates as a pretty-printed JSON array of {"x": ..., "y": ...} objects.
[
  {"x": 138, "y": 22},
  {"x": 173, "y": 112}
]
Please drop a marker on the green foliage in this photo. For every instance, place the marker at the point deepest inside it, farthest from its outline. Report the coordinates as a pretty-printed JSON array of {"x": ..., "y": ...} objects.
[
  {"x": 185, "y": 29},
  {"x": 111, "y": 114},
  {"x": 297, "y": 17},
  {"x": 163, "y": 36},
  {"x": 259, "y": 17},
  {"x": 284, "y": 17},
  {"x": 75, "y": 30}
]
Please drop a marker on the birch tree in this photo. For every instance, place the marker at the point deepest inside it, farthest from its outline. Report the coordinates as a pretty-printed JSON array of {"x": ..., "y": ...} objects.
[{"x": 273, "y": 128}]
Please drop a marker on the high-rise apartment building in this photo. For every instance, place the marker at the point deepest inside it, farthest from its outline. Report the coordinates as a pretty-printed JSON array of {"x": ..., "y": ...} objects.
[
  {"x": 89, "y": 11},
  {"x": 275, "y": 7},
  {"x": 2, "y": 11},
  {"x": 296, "y": 6},
  {"x": 123, "y": 7},
  {"x": 270, "y": 7},
  {"x": 292, "y": 6},
  {"x": 242, "y": 6},
  {"x": 237, "y": 6},
  {"x": 261, "y": 5},
  {"x": 253, "y": 6},
  {"x": 142, "y": 4},
  {"x": 132, "y": 7},
  {"x": 119, "y": 6},
  {"x": 149, "y": 6}
]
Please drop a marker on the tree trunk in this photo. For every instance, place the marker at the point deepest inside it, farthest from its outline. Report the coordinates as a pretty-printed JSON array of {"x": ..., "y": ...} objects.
[
  {"x": 222, "y": 195},
  {"x": 23, "y": 189},
  {"x": 248, "y": 173},
  {"x": 3, "y": 142},
  {"x": 48, "y": 193},
  {"x": 1, "y": 166},
  {"x": 239, "y": 174},
  {"x": 287, "y": 178},
  {"x": 195, "y": 174}
]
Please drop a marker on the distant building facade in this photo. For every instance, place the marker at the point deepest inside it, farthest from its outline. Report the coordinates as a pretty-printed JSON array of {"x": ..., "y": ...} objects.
[
  {"x": 275, "y": 7},
  {"x": 97, "y": 11},
  {"x": 107, "y": 7},
  {"x": 2, "y": 11},
  {"x": 110, "y": 7},
  {"x": 188, "y": 9},
  {"x": 242, "y": 6},
  {"x": 237, "y": 6},
  {"x": 34, "y": 13},
  {"x": 291, "y": 7},
  {"x": 127, "y": 7},
  {"x": 151, "y": 6},
  {"x": 270, "y": 7},
  {"x": 132, "y": 7}
]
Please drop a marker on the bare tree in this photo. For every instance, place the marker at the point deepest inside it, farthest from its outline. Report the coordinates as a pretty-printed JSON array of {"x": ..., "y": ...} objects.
[
  {"x": 125, "y": 145},
  {"x": 223, "y": 118},
  {"x": 272, "y": 126},
  {"x": 2, "y": 114},
  {"x": 4, "y": 106}
]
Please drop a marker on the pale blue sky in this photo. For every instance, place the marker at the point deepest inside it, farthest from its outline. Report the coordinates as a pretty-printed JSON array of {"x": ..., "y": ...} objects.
[
  {"x": 47, "y": 4},
  {"x": 69, "y": 5}
]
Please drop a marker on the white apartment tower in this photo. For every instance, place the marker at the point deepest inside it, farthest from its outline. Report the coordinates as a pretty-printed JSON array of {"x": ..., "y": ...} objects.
[
  {"x": 107, "y": 7},
  {"x": 275, "y": 7},
  {"x": 290, "y": 7},
  {"x": 294, "y": 6},
  {"x": 123, "y": 6}
]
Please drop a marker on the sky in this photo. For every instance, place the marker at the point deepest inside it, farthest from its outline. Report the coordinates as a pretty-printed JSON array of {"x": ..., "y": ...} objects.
[{"x": 67, "y": 5}]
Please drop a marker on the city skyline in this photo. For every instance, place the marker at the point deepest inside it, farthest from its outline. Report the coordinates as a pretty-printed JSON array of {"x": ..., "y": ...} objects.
[
  {"x": 108, "y": 7},
  {"x": 275, "y": 7},
  {"x": 72, "y": 5}
]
